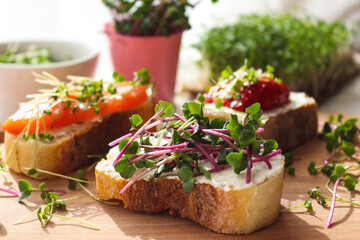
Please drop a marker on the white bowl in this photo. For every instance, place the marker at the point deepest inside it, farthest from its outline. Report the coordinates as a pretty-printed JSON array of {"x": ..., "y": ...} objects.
[{"x": 16, "y": 80}]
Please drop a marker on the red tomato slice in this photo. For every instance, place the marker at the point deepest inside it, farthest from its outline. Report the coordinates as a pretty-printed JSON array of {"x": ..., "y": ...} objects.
[{"x": 129, "y": 97}]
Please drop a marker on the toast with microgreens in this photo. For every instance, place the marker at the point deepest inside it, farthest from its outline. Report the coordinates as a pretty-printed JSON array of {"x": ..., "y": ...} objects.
[
  {"x": 217, "y": 173},
  {"x": 292, "y": 116},
  {"x": 61, "y": 129}
]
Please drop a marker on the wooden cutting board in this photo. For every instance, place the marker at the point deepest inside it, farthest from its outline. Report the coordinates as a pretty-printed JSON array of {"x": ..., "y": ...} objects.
[{"x": 116, "y": 222}]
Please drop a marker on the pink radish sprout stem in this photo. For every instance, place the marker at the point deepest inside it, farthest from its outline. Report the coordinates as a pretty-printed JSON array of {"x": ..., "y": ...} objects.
[
  {"x": 332, "y": 209},
  {"x": 137, "y": 134},
  {"x": 10, "y": 191},
  {"x": 113, "y": 143}
]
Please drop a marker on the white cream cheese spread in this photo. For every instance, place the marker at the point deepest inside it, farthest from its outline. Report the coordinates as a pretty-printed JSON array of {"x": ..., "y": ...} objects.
[{"x": 225, "y": 179}]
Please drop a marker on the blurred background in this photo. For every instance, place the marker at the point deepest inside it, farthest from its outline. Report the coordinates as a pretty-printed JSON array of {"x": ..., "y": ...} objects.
[{"x": 84, "y": 20}]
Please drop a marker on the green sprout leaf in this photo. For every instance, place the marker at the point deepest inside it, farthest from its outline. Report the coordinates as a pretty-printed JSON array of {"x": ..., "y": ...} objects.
[
  {"x": 218, "y": 103},
  {"x": 237, "y": 161},
  {"x": 32, "y": 171},
  {"x": 217, "y": 123},
  {"x": 175, "y": 136},
  {"x": 348, "y": 148},
  {"x": 122, "y": 164},
  {"x": 133, "y": 148},
  {"x": 200, "y": 97},
  {"x": 253, "y": 108},
  {"x": 328, "y": 169},
  {"x": 256, "y": 115},
  {"x": 291, "y": 171},
  {"x": 234, "y": 122},
  {"x": 246, "y": 138},
  {"x": 142, "y": 76},
  {"x": 186, "y": 175},
  {"x": 169, "y": 109},
  {"x": 140, "y": 164},
  {"x": 288, "y": 159},
  {"x": 270, "y": 145},
  {"x": 185, "y": 110},
  {"x": 311, "y": 168},
  {"x": 25, "y": 189},
  {"x": 308, "y": 206},
  {"x": 205, "y": 172},
  {"x": 118, "y": 78},
  {"x": 159, "y": 171},
  {"x": 72, "y": 184},
  {"x": 135, "y": 121},
  {"x": 338, "y": 173},
  {"x": 350, "y": 183},
  {"x": 188, "y": 185},
  {"x": 24, "y": 194},
  {"x": 314, "y": 192},
  {"x": 195, "y": 108},
  {"x": 128, "y": 172},
  {"x": 149, "y": 163},
  {"x": 24, "y": 185},
  {"x": 331, "y": 141}
]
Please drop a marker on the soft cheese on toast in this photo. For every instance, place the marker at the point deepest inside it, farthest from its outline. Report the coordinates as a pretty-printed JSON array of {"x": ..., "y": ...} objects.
[{"x": 216, "y": 173}]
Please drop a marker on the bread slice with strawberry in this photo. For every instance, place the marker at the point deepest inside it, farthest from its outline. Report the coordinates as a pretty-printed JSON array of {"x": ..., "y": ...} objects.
[{"x": 291, "y": 116}]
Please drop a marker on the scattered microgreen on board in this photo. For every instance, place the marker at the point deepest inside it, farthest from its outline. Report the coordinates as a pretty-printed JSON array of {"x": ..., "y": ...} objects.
[{"x": 342, "y": 166}]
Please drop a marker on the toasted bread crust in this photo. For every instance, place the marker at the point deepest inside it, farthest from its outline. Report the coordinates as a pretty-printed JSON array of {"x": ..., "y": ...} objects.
[
  {"x": 292, "y": 128},
  {"x": 69, "y": 152},
  {"x": 232, "y": 212}
]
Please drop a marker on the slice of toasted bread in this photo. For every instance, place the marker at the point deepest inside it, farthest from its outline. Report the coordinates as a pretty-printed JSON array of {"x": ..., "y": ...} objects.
[
  {"x": 291, "y": 125},
  {"x": 225, "y": 204},
  {"x": 71, "y": 145}
]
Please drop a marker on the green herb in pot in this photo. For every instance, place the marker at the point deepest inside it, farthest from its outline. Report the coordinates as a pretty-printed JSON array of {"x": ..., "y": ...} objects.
[
  {"x": 308, "y": 54},
  {"x": 150, "y": 17}
]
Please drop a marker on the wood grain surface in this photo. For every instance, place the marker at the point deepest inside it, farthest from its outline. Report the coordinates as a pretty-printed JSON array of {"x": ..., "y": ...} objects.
[{"x": 115, "y": 222}]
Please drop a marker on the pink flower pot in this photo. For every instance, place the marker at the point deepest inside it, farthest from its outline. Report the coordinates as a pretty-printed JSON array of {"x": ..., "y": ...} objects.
[{"x": 158, "y": 54}]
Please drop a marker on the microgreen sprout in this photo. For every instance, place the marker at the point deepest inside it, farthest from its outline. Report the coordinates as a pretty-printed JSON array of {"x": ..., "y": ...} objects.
[
  {"x": 46, "y": 212},
  {"x": 80, "y": 174},
  {"x": 340, "y": 137},
  {"x": 26, "y": 189},
  {"x": 288, "y": 162},
  {"x": 79, "y": 180},
  {"x": 50, "y": 196},
  {"x": 191, "y": 142},
  {"x": 307, "y": 205},
  {"x": 32, "y": 171},
  {"x": 322, "y": 199},
  {"x": 3, "y": 167}
]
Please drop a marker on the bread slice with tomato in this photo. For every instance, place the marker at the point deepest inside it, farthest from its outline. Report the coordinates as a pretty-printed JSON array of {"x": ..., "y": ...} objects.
[
  {"x": 291, "y": 116},
  {"x": 69, "y": 126}
]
